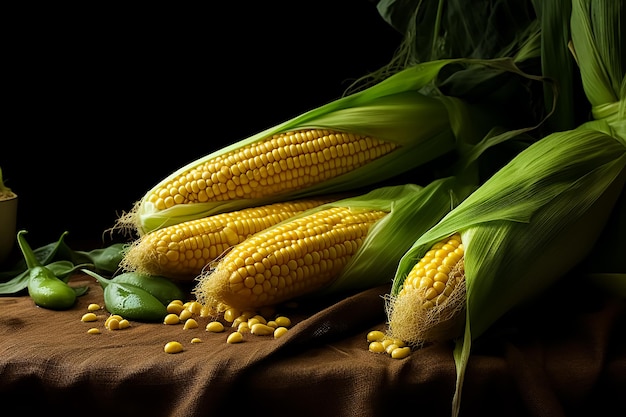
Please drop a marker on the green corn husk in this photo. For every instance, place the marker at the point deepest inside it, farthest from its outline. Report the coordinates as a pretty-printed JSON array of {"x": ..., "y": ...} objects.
[
  {"x": 404, "y": 109},
  {"x": 412, "y": 209},
  {"x": 599, "y": 47},
  {"x": 523, "y": 229}
]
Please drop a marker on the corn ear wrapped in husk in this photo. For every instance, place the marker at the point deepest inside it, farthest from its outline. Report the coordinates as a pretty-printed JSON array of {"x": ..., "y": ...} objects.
[
  {"x": 404, "y": 112},
  {"x": 523, "y": 229}
]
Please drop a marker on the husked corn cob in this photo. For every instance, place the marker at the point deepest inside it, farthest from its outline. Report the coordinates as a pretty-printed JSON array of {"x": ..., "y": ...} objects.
[
  {"x": 287, "y": 261},
  {"x": 181, "y": 251},
  {"x": 279, "y": 164}
]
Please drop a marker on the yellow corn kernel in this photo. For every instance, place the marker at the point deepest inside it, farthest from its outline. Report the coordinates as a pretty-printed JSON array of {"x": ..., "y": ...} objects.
[
  {"x": 113, "y": 324},
  {"x": 234, "y": 337},
  {"x": 283, "y": 321},
  {"x": 280, "y": 331},
  {"x": 93, "y": 330},
  {"x": 376, "y": 347},
  {"x": 375, "y": 336},
  {"x": 183, "y": 250},
  {"x": 289, "y": 260},
  {"x": 173, "y": 347},
  {"x": 400, "y": 352},
  {"x": 231, "y": 314},
  {"x": 171, "y": 319},
  {"x": 438, "y": 272},
  {"x": 93, "y": 307},
  {"x": 190, "y": 324},
  {"x": 196, "y": 340},
  {"x": 193, "y": 307},
  {"x": 185, "y": 314},
  {"x": 215, "y": 327},
  {"x": 87, "y": 317},
  {"x": 243, "y": 327},
  {"x": 175, "y": 308},
  {"x": 261, "y": 329},
  {"x": 279, "y": 164}
]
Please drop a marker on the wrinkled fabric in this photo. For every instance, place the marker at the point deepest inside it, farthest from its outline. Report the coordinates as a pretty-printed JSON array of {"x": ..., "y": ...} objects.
[{"x": 562, "y": 356}]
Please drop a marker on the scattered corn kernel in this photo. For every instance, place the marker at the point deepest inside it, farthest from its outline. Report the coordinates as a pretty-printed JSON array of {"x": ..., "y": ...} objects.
[
  {"x": 279, "y": 332},
  {"x": 234, "y": 337},
  {"x": 175, "y": 308},
  {"x": 243, "y": 327},
  {"x": 124, "y": 324},
  {"x": 173, "y": 347},
  {"x": 194, "y": 307},
  {"x": 389, "y": 348},
  {"x": 215, "y": 327},
  {"x": 272, "y": 324},
  {"x": 252, "y": 321},
  {"x": 283, "y": 321},
  {"x": 401, "y": 352},
  {"x": 261, "y": 329},
  {"x": 196, "y": 340},
  {"x": 185, "y": 314},
  {"x": 89, "y": 317},
  {"x": 376, "y": 347},
  {"x": 191, "y": 324},
  {"x": 171, "y": 318},
  {"x": 93, "y": 307},
  {"x": 375, "y": 336},
  {"x": 113, "y": 317},
  {"x": 93, "y": 330},
  {"x": 231, "y": 314},
  {"x": 113, "y": 324}
]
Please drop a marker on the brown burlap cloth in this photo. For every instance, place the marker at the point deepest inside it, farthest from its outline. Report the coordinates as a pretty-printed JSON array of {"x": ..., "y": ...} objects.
[{"x": 564, "y": 355}]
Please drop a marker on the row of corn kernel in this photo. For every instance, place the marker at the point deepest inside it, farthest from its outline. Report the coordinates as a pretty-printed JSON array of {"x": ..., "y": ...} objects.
[{"x": 380, "y": 343}]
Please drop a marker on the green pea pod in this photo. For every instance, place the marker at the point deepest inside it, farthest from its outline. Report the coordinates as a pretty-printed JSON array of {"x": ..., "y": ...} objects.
[
  {"x": 61, "y": 269},
  {"x": 160, "y": 287},
  {"x": 130, "y": 301},
  {"x": 44, "y": 287}
]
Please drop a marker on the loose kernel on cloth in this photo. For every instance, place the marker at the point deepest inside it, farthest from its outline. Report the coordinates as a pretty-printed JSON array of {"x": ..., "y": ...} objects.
[
  {"x": 215, "y": 327},
  {"x": 173, "y": 347},
  {"x": 87, "y": 317},
  {"x": 234, "y": 337},
  {"x": 190, "y": 324},
  {"x": 171, "y": 319}
]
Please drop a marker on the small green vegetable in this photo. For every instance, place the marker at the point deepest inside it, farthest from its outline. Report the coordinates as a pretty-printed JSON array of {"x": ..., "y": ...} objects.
[
  {"x": 160, "y": 287},
  {"x": 130, "y": 301},
  {"x": 44, "y": 287}
]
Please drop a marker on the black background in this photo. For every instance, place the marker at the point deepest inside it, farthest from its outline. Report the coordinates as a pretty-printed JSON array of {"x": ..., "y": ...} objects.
[{"x": 105, "y": 102}]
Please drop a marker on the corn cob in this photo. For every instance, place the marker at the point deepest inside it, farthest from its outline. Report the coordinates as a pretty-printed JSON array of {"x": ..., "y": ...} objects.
[
  {"x": 304, "y": 254},
  {"x": 558, "y": 192},
  {"x": 350, "y": 143},
  {"x": 181, "y": 251},
  {"x": 341, "y": 246}
]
